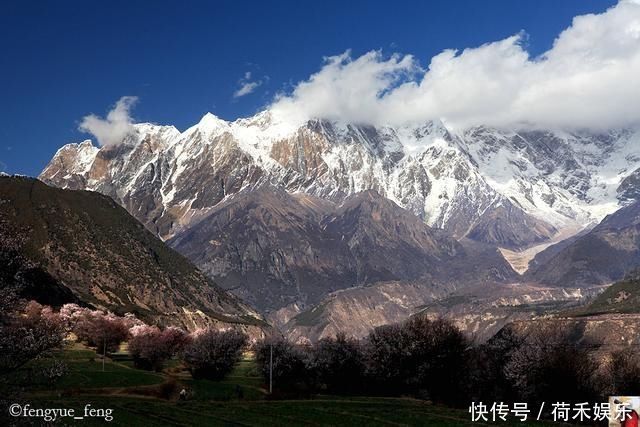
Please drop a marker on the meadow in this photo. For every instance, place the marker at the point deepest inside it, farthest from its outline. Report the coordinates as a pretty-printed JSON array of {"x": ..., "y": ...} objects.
[{"x": 144, "y": 398}]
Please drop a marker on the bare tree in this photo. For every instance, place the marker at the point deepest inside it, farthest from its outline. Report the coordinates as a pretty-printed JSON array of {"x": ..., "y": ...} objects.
[
  {"x": 550, "y": 365},
  {"x": 621, "y": 374},
  {"x": 339, "y": 364},
  {"x": 421, "y": 356},
  {"x": 288, "y": 361},
  {"x": 212, "y": 354}
]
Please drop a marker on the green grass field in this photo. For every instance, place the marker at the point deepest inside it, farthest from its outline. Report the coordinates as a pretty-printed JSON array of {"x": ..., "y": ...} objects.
[{"x": 141, "y": 398}]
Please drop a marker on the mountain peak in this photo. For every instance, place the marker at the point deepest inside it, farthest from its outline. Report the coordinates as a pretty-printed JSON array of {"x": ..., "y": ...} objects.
[
  {"x": 449, "y": 179},
  {"x": 210, "y": 124},
  {"x": 211, "y": 119}
]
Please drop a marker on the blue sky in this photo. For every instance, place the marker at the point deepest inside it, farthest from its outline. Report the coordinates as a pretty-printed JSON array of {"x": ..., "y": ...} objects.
[{"x": 63, "y": 60}]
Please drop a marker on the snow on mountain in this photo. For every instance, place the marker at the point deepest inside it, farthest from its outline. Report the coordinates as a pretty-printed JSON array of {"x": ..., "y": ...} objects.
[
  {"x": 562, "y": 177},
  {"x": 509, "y": 187},
  {"x": 76, "y": 158}
]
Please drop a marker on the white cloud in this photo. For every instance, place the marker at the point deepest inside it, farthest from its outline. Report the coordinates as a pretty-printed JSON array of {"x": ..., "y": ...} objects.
[
  {"x": 246, "y": 89},
  {"x": 247, "y": 86},
  {"x": 115, "y": 127},
  {"x": 590, "y": 78}
]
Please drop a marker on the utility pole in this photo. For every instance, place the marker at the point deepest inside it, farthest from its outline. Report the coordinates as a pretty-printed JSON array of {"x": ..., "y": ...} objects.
[{"x": 271, "y": 368}]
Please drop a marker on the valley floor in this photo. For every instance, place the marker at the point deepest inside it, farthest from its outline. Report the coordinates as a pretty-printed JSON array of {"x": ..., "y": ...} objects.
[{"x": 519, "y": 260}]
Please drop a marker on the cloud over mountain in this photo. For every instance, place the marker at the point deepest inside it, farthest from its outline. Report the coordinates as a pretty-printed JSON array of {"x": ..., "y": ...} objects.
[
  {"x": 112, "y": 129},
  {"x": 588, "y": 79},
  {"x": 247, "y": 85}
]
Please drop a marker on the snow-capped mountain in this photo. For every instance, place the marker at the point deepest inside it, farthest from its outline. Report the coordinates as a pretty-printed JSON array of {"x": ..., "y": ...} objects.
[{"x": 508, "y": 187}]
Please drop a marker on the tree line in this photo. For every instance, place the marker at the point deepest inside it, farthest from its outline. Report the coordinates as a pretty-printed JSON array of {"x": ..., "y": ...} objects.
[
  {"x": 432, "y": 359},
  {"x": 422, "y": 357}
]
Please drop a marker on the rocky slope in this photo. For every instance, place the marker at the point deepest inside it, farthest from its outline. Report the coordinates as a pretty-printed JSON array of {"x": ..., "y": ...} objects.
[
  {"x": 601, "y": 334},
  {"x": 76, "y": 246},
  {"x": 479, "y": 311},
  {"x": 621, "y": 297},
  {"x": 277, "y": 249},
  {"x": 562, "y": 276},
  {"x": 324, "y": 235},
  {"x": 534, "y": 182},
  {"x": 601, "y": 256},
  {"x": 609, "y": 321}
]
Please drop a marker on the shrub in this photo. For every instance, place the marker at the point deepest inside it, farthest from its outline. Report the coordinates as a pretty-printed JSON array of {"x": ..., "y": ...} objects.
[
  {"x": 211, "y": 354},
  {"x": 100, "y": 330},
  {"x": 72, "y": 313},
  {"x": 549, "y": 366},
  {"x": 289, "y": 364},
  {"x": 487, "y": 378},
  {"x": 420, "y": 356},
  {"x": 151, "y": 348},
  {"x": 386, "y": 351},
  {"x": 339, "y": 364},
  {"x": 622, "y": 374},
  {"x": 25, "y": 336},
  {"x": 28, "y": 334}
]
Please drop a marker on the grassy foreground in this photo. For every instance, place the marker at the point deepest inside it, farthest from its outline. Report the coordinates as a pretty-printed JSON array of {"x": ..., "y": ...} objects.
[{"x": 141, "y": 398}]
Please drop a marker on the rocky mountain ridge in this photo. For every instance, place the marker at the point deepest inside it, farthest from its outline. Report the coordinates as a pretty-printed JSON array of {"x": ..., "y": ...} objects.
[
  {"x": 281, "y": 212},
  {"x": 602, "y": 255},
  {"x": 275, "y": 249},
  {"x": 507, "y": 187}
]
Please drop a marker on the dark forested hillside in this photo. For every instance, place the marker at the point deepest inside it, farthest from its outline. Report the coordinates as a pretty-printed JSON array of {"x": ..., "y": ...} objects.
[{"x": 61, "y": 246}]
